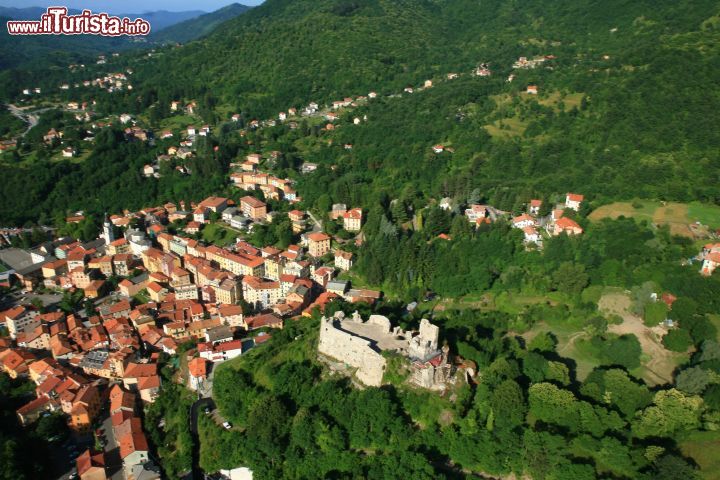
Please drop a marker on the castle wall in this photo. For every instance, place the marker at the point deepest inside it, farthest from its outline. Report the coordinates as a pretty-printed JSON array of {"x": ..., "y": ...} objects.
[{"x": 354, "y": 351}]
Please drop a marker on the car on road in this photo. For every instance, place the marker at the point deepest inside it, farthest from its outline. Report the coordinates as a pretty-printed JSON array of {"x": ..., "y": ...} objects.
[{"x": 227, "y": 425}]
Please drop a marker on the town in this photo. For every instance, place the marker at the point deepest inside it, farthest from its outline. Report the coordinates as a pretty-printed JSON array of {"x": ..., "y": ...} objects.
[{"x": 92, "y": 323}]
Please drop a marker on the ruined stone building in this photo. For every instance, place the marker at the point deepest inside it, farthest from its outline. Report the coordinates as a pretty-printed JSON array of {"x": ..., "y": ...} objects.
[{"x": 359, "y": 344}]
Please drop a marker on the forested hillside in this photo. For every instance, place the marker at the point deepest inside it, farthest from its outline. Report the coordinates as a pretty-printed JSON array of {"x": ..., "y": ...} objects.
[
  {"x": 625, "y": 108},
  {"x": 197, "y": 27}
]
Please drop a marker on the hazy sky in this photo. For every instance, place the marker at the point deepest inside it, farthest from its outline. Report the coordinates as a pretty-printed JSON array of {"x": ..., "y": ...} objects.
[{"x": 129, "y": 6}]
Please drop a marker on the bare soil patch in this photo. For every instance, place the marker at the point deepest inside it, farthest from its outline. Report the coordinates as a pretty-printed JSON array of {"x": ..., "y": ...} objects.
[{"x": 658, "y": 369}]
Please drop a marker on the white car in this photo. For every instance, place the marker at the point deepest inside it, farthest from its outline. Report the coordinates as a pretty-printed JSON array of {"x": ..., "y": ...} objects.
[{"x": 226, "y": 425}]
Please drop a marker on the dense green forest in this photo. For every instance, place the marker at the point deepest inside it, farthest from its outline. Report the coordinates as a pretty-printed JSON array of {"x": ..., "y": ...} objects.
[
  {"x": 21, "y": 447},
  {"x": 623, "y": 109},
  {"x": 529, "y": 415}
]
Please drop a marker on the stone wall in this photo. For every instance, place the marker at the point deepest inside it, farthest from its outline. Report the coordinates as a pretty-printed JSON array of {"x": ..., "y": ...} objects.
[{"x": 353, "y": 350}]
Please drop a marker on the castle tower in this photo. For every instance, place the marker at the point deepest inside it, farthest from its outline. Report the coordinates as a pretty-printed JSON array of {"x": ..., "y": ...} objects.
[{"x": 108, "y": 233}]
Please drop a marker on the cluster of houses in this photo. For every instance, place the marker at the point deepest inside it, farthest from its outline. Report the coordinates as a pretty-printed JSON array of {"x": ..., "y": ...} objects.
[
  {"x": 530, "y": 222},
  {"x": 274, "y": 188},
  {"x": 555, "y": 224},
  {"x": 111, "y": 82},
  {"x": 710, "y": 258},
  {"x": 80, "y": 365},
  {"x": 171, "y": 289}
]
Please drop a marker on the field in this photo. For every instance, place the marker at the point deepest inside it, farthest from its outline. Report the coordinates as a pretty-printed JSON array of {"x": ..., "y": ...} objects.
[
  {"x": 704, "y": 448},
  {"x": 678, "y": 216},
  {"x": 658, "y": 363},
  {"x": 507, "y": 127},
  {"x": 511, "y": 125}
]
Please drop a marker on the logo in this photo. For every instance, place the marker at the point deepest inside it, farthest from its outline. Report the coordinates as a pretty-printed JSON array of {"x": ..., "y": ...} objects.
[{"x": 56, "y": 21}]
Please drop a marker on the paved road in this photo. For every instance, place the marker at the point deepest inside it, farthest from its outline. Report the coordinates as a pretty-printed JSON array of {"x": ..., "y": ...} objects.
[
  {"x": 195, "y": 410},
  {"x": 21, "y": 298},
  {"x": 113, "y": 462},
  {"x": 317, "y": 224},
  {"x": 30, "y": 118}
]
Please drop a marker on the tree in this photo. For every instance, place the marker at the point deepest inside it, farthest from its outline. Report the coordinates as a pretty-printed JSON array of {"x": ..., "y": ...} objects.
[
  {"x": 693, "y": 380},
  {"x": 655, "y": 313},
  {"x": 671, "y": 467},
  {"x": 677, "y": 340},
  {"x": 508, "y": 405},
  {"x": 596, "y": 326},
  {"x": 570, "y": 278},
  {"x": 672, "y": 411},
  {"x": 543, "y": 342}
]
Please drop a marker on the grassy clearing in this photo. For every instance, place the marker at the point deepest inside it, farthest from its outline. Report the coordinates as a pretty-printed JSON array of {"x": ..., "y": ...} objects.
[
  {"x": 715, "y": 319},
  {"x": 677, "y": 216},
  {"x": 179, "y": 122},
  {"x": 219, "y": 234},
  {"x": 507, "y": 128},
  {"x": 704, "y": 448},
  {"x": 706, "y": 214},
  {"x": 569, "y": 101},
  {"x": 262, "y": 361}
]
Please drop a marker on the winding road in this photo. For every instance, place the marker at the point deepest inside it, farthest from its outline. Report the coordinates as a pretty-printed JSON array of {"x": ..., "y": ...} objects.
[
  {"x": 195, "y": 409},
  {"x": 30, "y": 118}
]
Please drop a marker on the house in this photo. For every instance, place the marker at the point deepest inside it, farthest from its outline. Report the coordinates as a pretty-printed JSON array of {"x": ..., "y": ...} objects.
[
  {"x": 343, "y": 260},
  {"x": 477, "y": 212},
  {"x": 352, "y": 220},
  {"x": 323, "y": 275},
  {"x": 191, "y": 131},
  {"x": 531, "y": 235},
  {"x": 125, "y": 118},
  {"x": 573, "y": 201},
  {"x": 438, "y": 148},
  {"x": 259, "y": 292},
  {"x": 85, "y": 408},
  {"x": 296, "y": 215},
  {"x": 446, "y": 204},
  {"x": 253, "y": 208},
  {"x": 133, "y": 444},
  {"x": 534, "y": 207},
  {"x": 523, "y": 221},
  {"x": 193, "y": 227},
  {"x": 566, "y": 225},
  {"x": 308, "y": 167},
  {"x": 214, "y": 204},
  {"x": 91, "y": 465},
  {"x": 19, "y": 319},
  {"x": 267, "y": 320},
  {"x": 710, "y": 257},
  {"x": 338, "y": 210},
  {"x": 231, "y": 315},
  {"x": 220, "y": 352},
  {"x": 338, "y": 287},
  {"x": 318, "y": 244},
  {"x": 532, "y": 90},
  {"x": 31, "y": 411},
  {"x": 68, "y": 152},
  {"x": 197, "y": 373}
]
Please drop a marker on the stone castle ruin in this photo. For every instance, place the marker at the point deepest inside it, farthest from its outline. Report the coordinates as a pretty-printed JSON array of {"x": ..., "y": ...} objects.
[{"x": 359, "y": 344}]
